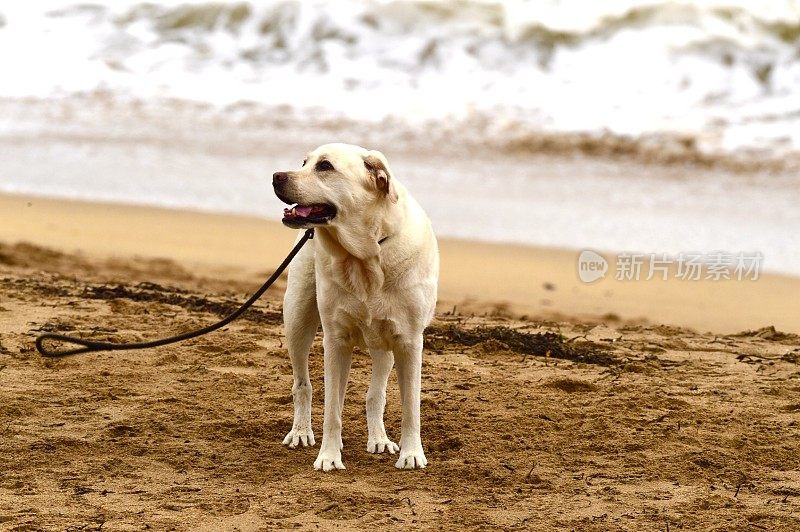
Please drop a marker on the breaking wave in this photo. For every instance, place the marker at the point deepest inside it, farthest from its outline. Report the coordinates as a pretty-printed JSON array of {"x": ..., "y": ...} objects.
[{"x": 722, "y": 76}]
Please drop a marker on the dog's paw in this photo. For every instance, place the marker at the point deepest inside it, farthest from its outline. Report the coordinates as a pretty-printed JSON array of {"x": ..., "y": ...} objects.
[
  {"x": 299, "y": 436},
  {"x": 329, "y": 461},
  {"x": 411, "y": 458},
  {"x": 380, "y": 445}
]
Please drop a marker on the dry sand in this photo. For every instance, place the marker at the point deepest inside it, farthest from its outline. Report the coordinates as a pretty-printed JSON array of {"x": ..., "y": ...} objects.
[{"x": 552, "y": 420}]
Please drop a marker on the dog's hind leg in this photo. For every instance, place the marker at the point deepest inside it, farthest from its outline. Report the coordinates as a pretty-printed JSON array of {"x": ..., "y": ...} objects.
[
  {"x": 378, "y": 441},
  {"x": 301, "y": 321}
]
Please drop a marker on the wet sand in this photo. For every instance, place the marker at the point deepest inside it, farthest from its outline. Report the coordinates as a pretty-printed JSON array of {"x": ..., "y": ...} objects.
[{"x": 476, "y": 277}]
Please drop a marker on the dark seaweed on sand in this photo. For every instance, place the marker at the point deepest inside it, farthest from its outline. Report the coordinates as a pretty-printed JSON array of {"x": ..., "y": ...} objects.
[
  {"x": 143, "y": 293},
  {"x": 547, "y": 344},
  {"x": 151, "y": 292}
]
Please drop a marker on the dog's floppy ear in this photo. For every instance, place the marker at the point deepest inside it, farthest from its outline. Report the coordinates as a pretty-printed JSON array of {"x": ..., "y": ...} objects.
[{"x": 378, "y": 167}]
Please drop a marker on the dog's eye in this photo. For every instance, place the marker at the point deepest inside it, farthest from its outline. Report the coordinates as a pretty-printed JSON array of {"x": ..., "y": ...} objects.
[
  {"x": 324, "y": 166},
  {"x": 304, "y": 163}
]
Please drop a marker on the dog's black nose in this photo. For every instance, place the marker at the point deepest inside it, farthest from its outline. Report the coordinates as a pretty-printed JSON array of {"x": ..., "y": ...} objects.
[{"x": 279, "y": 178}]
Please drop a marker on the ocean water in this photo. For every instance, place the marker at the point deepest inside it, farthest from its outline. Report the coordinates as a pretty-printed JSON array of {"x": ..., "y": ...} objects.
[
  {"x": 723, "y": 73},
  {"x": 187, "y": 156},
  {"x": 195, "y": 104}
]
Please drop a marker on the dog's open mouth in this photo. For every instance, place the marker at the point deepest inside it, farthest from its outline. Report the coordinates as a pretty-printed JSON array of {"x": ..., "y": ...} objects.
[{"x": 300, "y": 215}]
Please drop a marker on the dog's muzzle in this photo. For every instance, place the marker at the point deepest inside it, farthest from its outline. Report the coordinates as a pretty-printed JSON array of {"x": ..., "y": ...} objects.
[{"x": 300, "y": 215}]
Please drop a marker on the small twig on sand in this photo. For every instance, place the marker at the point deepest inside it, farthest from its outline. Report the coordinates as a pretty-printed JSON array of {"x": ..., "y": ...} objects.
[
  {"x": 742, "y": 482},
  {"x": 410, "y": 505},
  {"x": 576, "y": 337},
  {"x": 744, "y": 356},
  {"x": 659, "y": 419}
]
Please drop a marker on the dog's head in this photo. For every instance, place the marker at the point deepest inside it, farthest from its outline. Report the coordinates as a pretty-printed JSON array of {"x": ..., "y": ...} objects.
[{"x": 337, "y": 184}]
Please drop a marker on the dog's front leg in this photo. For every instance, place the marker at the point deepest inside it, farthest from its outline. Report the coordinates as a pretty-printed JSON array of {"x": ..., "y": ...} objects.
[
  {"x": 301, "y": 320},
  {"x": 408, "y": 359},
  {"x": 378, "y": 441},
  {"x": 301, "y": 323},
  {"x": 338, "y": 356}
]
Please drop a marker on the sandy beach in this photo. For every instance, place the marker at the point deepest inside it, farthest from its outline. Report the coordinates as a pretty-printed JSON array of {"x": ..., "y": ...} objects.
[
  {"x": 476, "y": 277},
  {"x": 547, "y": 403},
  {"x": 614, "y": 187}
]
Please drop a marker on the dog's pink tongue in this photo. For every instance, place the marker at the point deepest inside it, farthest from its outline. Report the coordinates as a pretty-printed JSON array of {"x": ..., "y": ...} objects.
[{"x": 303, "y": 211}]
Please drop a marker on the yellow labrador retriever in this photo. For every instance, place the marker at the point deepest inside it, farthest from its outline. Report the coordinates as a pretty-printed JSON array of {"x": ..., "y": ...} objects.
[{"x": 370, "y": 276}]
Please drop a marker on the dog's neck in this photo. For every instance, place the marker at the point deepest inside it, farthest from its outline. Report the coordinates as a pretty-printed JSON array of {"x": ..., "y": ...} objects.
[
  {"x": 355, "y": 253},
  {"x": 363, "y": 240},
  {"x": 353, "y": 261},
  {"x": 342, "y": 245}
]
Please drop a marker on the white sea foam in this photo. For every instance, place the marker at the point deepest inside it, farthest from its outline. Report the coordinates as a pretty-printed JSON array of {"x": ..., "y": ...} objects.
[{"x": 726, "y": 72}]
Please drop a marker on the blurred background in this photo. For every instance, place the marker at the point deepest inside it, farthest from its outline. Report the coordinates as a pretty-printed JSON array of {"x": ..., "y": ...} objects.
[{"x": 649, "y": 126}]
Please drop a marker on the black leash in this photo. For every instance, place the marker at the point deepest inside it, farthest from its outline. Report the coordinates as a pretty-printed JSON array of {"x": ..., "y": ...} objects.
[{"x": 89, "y": 345}]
